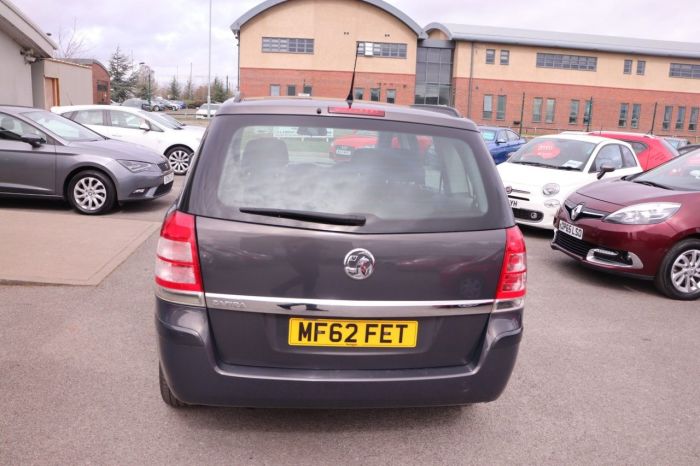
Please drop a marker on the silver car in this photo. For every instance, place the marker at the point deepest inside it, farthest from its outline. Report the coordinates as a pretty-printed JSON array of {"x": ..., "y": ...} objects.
[{"x": 44, "y": 155}]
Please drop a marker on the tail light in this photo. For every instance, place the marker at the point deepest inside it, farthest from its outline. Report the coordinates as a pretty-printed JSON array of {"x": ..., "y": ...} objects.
[
  {"x": 177, "y": 261},
  {"x": 512, "y": 284}
]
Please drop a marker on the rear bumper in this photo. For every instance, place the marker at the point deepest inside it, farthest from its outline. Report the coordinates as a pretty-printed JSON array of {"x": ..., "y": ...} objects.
[{"x": 196, "y": 376}]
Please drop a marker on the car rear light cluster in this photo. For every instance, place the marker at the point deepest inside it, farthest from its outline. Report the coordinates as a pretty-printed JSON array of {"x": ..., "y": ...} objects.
[
  {"x": 177, "y": 261},
  {"x": 513, "y": 282}
]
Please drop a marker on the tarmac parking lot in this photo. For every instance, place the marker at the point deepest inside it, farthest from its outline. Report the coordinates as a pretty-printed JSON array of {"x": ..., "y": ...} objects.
[{"x": 607, "y": 373}]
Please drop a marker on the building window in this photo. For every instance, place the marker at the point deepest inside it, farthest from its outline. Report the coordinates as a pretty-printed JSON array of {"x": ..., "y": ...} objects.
[
  {"x": 434, "y": 76},
  {"x": 668, "y": 114},
  {"x": 636, "y": 113},
  {"x": 566, "y": 62},
  {"x": 573, "y": 112},
  {"x": 622, "y": 120},
  {"x": 680, "y": 119},
  {"x": 291, "y": 89},
  {"x": 391, "y": 96},
  {"x": 358, "y": 93},
  {"x": 693, "y": 123},
  {"x": 287, "y": 45},
  {"x": 588, "y": 109},
  {"x": 490, "y": 56},
  {"x": 488, "y": 107},
  {"x": 375, "y": 94},
  {"x": 505, "y": 57},
  {"x": 275, "y": 90},
  {"x": 501, "y": 108},
  {"x": 549, "y": 116},
  {"x": 381, "y": 49},
  {"x": 307, "y": 89},
  {"x": 628, "y": 67},
  {"x": 537, "y": 110},
  {"x": 641, "y": 67},
  {"x": 683, "y": 70},
  {"x": 102, "y": 86}
]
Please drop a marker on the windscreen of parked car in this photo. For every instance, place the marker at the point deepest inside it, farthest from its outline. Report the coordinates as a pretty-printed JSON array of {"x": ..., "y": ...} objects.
[
  {"x": 562, "y": 154},
  {"x": 62, "y": 127},
  {"x": 271, "y": 170},
  {"x": 488, "y": 135},
  {"x": 680, "y": 174},
  {"x": 164, "y": 120}
]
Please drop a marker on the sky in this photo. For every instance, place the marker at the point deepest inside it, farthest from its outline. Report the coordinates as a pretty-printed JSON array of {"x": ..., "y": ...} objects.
[{"x": 172, "y": 35}]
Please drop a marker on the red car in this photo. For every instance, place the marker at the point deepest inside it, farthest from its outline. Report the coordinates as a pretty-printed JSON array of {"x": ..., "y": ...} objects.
[
  {"x": 645, "y": 226},
  {"x": 651, "y": 150},
  {"x": 343, "y": 147}
]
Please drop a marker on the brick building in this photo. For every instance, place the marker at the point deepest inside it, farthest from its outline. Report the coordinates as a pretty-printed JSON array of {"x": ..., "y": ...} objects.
[
  {"x": 100, "y": 80},
  {"x": 542, "y": 81}
]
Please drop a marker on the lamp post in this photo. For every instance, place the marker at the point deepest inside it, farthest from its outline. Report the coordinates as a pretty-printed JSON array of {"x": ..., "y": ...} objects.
[
  {"x": 209, "y": 78},
  {"x": 148, "y": 91}
]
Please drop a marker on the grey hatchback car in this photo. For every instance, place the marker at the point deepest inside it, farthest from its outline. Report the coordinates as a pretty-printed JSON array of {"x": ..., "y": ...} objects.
[
  {"x": 44, "y": 155},
  {"x": 287, "y": 278}
]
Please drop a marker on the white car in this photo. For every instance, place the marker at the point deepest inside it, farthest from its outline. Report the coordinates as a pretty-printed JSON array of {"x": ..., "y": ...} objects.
[
  {"x": 202, "y": 113},
  {"x": 545, "y": 171},
  {"x": 159, "y": 132}
]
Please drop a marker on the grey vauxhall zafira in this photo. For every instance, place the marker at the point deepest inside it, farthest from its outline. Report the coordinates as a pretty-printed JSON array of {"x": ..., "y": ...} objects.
[{"x": 290, "y": 274}]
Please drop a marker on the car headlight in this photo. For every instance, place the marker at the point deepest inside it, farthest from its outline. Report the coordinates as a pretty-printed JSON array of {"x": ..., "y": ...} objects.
[
  {"x": 644, "y": 214},
  {"x": 550, "y": 189},
  {"x": 134, "y": 166}
]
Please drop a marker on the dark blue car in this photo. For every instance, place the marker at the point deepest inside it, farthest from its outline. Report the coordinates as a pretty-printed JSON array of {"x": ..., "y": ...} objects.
[{"x": 501, "y": 142}]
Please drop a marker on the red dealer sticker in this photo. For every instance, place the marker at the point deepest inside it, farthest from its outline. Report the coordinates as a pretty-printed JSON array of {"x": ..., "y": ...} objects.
[{"x": 546, "y": 150}]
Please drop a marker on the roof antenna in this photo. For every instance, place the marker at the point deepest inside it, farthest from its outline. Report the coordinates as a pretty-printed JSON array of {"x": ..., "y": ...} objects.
[{"x": 351, "y": 95}]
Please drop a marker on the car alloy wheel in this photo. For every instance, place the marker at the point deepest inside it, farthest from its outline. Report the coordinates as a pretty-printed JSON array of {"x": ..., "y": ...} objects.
[
  {"x": 179, "y": 160},
  {"x": 90, "y": 194},
  {"x": 685, "y": 272}
]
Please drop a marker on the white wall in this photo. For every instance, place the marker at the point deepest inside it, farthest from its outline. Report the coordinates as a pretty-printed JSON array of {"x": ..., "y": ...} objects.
[{"x": 15, "y": 76}]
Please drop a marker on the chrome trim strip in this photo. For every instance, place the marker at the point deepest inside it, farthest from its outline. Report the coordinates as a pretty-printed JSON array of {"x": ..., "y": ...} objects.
[
  {"x": 636, "y": 261},
  {"x": 188, "y": 298},
  {"x": 346, "y": 308}
]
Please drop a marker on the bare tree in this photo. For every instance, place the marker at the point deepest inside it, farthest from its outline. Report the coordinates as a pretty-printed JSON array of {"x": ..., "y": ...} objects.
[{"x": 71, "y": 44}]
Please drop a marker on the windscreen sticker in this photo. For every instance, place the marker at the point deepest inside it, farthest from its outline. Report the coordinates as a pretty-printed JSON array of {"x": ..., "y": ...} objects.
[
  {"x": 573, "y": 164},
  {"x": 546, "y": 150}
]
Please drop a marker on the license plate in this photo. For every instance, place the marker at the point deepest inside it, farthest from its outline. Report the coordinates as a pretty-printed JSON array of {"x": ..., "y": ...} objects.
[
  {"x": 353, "y": 333},
  {"x": 570, "y": 229},
  {"x": 168, "y": 178},
  {"x": 513, "y": 203},
  {"x": 343, "y": 152}
]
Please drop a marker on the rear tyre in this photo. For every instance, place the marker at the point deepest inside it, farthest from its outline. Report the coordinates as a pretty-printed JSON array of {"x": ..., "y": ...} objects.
[
  {"x": 91, "y": 193},
  {"x": 168, "y": 397},
  {"x": 679, "y": 274},
  {"x": 179, "y": 158}
]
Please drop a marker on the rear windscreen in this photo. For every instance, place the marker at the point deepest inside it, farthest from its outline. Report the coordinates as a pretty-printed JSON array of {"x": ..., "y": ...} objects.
[{"x": 396, "y": 177}]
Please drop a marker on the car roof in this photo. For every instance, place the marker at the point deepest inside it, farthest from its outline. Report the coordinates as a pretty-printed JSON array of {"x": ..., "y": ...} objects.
[
  {"x": 577, "y": 137},
  {"x": 313, "y": 107},
  {"x": 493, "y": 128},
  {"x": 626, "y": 134},
  {"x": 17, "y": 108},
  {"x": 73, "y": 108}
]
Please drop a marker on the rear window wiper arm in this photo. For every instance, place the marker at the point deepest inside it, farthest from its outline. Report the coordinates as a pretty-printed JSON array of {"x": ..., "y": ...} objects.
[{"x": 307, "y": 216}]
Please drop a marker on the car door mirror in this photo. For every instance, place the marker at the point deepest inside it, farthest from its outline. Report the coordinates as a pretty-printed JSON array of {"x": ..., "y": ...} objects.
[
  {"x": 145, "y": 126},
  {"x": 33, "y": 140},
  {"x": 605, "y": 168}
]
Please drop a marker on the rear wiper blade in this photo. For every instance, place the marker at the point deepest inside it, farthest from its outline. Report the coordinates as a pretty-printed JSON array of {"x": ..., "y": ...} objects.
[
  {"x": 307, "y": 216},
  {"x": 651, "y": 183}
]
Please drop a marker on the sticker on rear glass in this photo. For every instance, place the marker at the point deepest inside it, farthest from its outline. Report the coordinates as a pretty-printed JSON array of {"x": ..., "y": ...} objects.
[{"x": 573, "y": 164}]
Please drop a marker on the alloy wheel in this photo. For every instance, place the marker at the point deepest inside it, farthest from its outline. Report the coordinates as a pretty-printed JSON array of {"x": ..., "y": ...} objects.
[
  {"x": 90, "y": 193},
  {"x": 685, "y": 272},
  {"x": 179, "y": 161}
]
